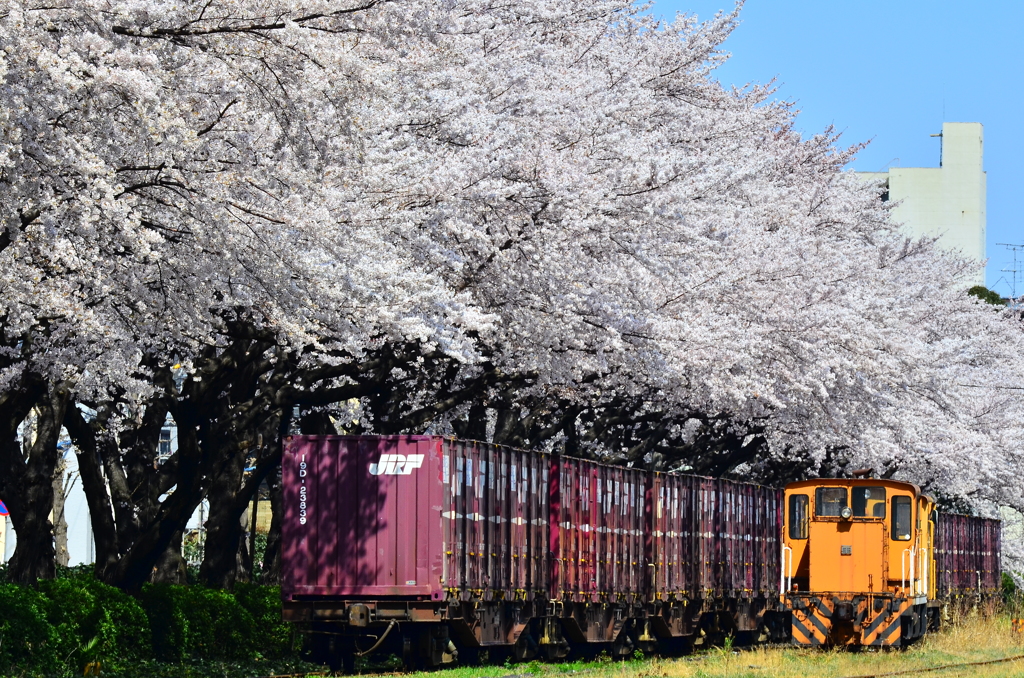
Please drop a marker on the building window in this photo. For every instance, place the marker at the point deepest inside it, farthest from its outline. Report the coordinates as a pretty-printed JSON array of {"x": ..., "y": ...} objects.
[{"x": 165, "y": 442}]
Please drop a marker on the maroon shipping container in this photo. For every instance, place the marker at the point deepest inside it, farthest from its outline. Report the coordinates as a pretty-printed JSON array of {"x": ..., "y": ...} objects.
[
  {"x": 967, "y": 555},
  {"x": 672, "y": 503},
  {"x": 713, "y": 538},
  {"x": 597, "y": 531},
  {"x": 421, "y": 517},
  {"x": 498, "y": 522},
  {"x": 747, "y": 523}
]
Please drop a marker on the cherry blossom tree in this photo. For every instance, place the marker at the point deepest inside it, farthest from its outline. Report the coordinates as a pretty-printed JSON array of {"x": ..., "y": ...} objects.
[
  {"x": 676, "y": 268},
  {"x": 541, "y": 224},
  {"x": 175, "y": 178}
]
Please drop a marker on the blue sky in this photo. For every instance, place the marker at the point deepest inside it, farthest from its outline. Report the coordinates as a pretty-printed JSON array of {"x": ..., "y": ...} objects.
[{"x": 892, "y": 72}]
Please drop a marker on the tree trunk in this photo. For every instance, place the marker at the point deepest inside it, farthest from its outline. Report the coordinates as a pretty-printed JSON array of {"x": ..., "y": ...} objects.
[
  {"x": 170, "y": 566},
  {"x": 224, "y": 529},
  {"x": 271, "y": 573},
  {"x": 474, "y": 426},
  {"x": 32, "y": 498},
  {"x": 135, "y": 567},
  {"x": 90, "y": 470},
  {"x": 229, "y": 500},
  {"x": 60, "y": 523}
]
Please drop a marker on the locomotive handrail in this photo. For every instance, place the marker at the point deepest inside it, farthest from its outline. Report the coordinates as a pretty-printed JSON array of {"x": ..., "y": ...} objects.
[
  {"x": 922, "y": 553},
  {"x": 903, "y": 568},
  {"x": 783, "y": 588},
  {"x": 913, "y": 566}
]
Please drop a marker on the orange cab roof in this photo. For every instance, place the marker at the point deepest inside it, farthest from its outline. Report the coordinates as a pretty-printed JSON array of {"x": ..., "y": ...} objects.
[{"x": 856, "y": 482}]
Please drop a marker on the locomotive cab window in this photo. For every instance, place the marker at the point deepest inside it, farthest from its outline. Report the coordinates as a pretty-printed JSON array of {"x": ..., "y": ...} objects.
[
  {"x": 829, "y": 501},
  {"x": 902, "y": 514},
  {"x": 798, "y": 516},
  {"x": 869, "y": 502}
]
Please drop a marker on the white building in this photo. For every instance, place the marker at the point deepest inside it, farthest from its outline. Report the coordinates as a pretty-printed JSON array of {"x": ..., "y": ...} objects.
[{"x": 947, "y": 201}]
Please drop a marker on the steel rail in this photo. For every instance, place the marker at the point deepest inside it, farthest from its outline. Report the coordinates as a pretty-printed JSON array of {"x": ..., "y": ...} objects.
[{"x": 939, "y": 668}]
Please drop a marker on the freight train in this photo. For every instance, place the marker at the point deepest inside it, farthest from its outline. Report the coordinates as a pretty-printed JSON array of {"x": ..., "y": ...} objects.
[{"x": 437, "y": 550}]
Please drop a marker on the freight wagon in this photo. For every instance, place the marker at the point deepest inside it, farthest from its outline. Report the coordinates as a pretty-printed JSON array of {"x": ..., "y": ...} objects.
[
  {"x": 436, "y": 549},
  {"x": 967, "y": 558}
]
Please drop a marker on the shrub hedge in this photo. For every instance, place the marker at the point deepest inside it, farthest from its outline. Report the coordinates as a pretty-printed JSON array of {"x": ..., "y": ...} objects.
[
  {"x": 60, "y": 626},
  {"x": 27, "y": 641}
]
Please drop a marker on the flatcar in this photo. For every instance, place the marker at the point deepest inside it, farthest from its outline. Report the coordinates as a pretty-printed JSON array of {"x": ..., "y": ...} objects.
[{"x": 439, "y": 550}]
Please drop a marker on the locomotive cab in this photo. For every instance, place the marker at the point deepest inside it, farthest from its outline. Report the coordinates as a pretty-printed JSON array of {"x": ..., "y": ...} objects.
[{"x": 857, "y": 561}]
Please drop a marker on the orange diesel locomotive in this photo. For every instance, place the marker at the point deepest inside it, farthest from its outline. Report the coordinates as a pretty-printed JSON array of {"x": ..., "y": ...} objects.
[{"x": 858, "y": 562}]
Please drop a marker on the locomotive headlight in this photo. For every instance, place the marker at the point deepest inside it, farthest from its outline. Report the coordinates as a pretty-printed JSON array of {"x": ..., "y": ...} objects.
[{"x": 846, "y": 513}]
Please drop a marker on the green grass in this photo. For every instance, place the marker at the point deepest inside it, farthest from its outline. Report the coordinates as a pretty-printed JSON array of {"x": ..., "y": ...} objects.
[{"x": 974, "y": 639}]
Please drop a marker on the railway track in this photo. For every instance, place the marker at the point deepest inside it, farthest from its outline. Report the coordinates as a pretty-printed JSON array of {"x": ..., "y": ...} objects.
[
  {"x": 887, "y": 674},
  {"x": 943, "y": 667}
]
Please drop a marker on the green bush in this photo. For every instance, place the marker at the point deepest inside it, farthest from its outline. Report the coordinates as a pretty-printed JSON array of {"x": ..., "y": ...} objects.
[
  {"x": 94, "y": 621},
  {"x": 27, "y": 641},
  {"x": 59, "y": 626},
  {"x": 273, "y": 634},
  {"x": 190, "y": 622},
  {"x": 65, "y": 604}
]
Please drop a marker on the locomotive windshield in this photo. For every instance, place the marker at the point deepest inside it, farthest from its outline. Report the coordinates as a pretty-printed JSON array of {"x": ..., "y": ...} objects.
[
  {"x": 869, "y": 502},
  {"x": 829, "y": 501}
]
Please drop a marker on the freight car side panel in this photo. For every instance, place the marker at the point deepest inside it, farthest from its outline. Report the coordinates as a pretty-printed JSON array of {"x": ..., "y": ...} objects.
[
  {"x": 363, "y": 516},
  {"x": 497, "y": 526},
  {"x": 597, "y": 532},
  {"x": 671, "y": 506},
  {"x": 967, "y": 555},
  {"x": 712, "y": 537}
]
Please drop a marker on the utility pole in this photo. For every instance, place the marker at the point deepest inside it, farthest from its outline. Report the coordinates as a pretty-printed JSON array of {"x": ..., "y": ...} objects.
[{"x": 1014, "y": 271}]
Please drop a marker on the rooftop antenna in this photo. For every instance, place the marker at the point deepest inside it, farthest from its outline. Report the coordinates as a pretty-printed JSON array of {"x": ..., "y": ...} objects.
[{"x": 1015, "y": 270}]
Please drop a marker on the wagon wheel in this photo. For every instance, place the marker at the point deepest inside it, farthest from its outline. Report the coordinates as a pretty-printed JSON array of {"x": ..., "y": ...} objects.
[
  {"x": 410, "y": 651},
  {"x": 469, "y": 656},
  {"x": 347, "y": 654}
]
